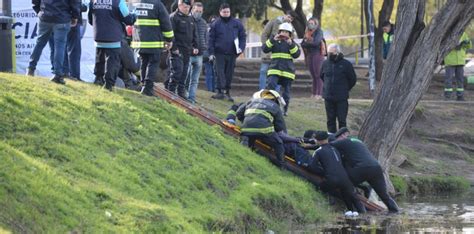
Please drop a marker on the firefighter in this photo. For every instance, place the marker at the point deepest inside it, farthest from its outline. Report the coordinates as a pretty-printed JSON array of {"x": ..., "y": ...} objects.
[
  {"x": 151, "y": 34},
  {"x": 262, "y": 118},
  {"x": 282, "y": 70}
]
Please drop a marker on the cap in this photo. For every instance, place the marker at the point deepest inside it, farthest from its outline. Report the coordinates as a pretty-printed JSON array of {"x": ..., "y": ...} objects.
[
  {"x": 341, "y": 131},
  {"x": 309, "y": 134},
  {"x": 321, "y": 135},
  {"x": 187, "y": 2}
]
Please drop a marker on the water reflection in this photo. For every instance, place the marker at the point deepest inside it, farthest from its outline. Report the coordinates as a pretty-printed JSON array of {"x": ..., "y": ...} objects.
[{"x": 439, "y": 214}]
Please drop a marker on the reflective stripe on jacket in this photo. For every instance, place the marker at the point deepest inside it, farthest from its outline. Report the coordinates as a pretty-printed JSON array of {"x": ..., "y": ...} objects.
[
  {"x": 152, "y": 28},
  {"x": 282, "y": 57},
  {"x": 261, "y": 116}
]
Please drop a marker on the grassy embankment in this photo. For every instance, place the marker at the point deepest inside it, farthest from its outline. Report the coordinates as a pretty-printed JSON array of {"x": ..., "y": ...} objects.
[
  {"x": 79, "y": 158},
  {"x": 429, "y": 166}
]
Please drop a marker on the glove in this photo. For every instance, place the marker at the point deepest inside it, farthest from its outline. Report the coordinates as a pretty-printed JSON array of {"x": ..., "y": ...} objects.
[{"x": 212, "y": 58}]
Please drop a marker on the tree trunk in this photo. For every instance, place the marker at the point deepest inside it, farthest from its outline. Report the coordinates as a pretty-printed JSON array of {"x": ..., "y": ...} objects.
[
  {"x": 384, "y": 14},
  {"x": 370, "y": 23},
  {"x": 318, "y": 9},
  {"x": 415, "y": 52},
  {"x": 300, "y": 21}
]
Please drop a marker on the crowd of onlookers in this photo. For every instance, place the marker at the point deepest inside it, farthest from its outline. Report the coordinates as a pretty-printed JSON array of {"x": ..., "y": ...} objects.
[{"x": 183, "y": 42}]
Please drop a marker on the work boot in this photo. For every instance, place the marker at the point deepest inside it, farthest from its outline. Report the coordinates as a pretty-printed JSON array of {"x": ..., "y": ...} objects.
[
  {"x": 460, "y": 98},
  {"x": 227, "y": 95},
  {"x": 99, "y": 81},
  {"x": 30, "y": 72},
  {"x": 447, "y": 96},
  {"x": 244, "y": 141},
  {"x": 58, "y": 79},
  {"x": 219, "y": 95},
  {"x": 147, "y": 89}
]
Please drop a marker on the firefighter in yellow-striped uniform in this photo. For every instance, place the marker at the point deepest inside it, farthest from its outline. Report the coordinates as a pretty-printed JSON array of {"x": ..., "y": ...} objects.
[
  {"x": 261, "y": 119},
  {"x": 282, "y": 69},
  {"x": 152, "y": 33}
]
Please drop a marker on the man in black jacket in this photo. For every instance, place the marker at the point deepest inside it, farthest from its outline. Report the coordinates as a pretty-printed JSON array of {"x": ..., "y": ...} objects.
[
  {"x": 339, "y": 77},
  {"x": 362, "y": 166},
  {"x": 184, "y": 44},
  {"x": 55, "y": 17},
  {"x": 335, "y": 174},
  {"x": 262, "y": 118}
]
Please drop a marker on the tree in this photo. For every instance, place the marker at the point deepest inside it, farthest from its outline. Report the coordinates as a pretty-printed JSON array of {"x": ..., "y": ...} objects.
[
  {"x": 300, "y": 21},
  {"x": 384, "y": 15},
  {"x": 318, "y": 9},
  {"x": 417, "y": 49}
]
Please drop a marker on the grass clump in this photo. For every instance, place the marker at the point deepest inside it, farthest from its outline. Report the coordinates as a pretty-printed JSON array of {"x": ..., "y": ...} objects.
[
  {"x": 77, "y": 158},
  {"x": 429, "y": 185}
]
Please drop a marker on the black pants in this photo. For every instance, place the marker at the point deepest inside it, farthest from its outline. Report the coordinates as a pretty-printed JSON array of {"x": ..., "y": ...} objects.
[
  {"x": 107, "y": 66},
  {"x": 178, "y": 71},
  {"x": 273, "y": 81},
  {"x": 346, "y": 189},
  {"x": 225, "y": 65},
  {"x": 336, "y": 109},
  {"x": 149, "y": 66},
  {"x": 272, "y": 140},
  {"x": 374, "y": 176}
]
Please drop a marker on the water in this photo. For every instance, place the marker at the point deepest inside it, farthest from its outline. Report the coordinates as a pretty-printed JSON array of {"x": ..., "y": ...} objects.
[{"x": 450, "y": 213}]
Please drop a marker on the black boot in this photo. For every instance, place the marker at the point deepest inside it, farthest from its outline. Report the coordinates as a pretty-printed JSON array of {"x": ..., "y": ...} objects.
[
  {"x": 30, "y": 72},
  {"x": 99, "y": 81},
  {"x": 219, "y": 95},
  {"x": 147, "y": 89},
  {"x": 58, "y": 79},
  {"x": 227, "y": 95}
]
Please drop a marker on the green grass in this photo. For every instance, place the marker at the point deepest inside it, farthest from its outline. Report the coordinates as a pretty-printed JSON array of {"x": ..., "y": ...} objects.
[{"x": 79, "y": 158}]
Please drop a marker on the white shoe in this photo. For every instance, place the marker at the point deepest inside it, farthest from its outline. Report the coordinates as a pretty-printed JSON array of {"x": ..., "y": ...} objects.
[
  {"x": 355, "y": 214},
  {"x": 348, "y": 214}
]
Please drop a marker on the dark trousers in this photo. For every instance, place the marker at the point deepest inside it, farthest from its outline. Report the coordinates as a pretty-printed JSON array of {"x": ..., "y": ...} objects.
[
  {"x": 225, "y": 65},
  {"x": 149, "y": 66},
  {"x": 107, "y": 66},
  {"x": 274, "y": 81},
  {"x": 336, "y": 109},
  {"x": 458, "y": 73},
  {"x": 272, "y": 140},
  {"x": 374, "y": 176},
  {"x": 346, "y": 189},
  {"x": 178, "y": 71}
]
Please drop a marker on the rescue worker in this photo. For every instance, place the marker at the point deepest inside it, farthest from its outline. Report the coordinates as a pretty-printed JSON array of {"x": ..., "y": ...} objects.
[
  {"x": 184, "y": 44},
  {"x": 262, "y": 118},
  {"x": 335, "y": 174},
  {"x": 107, "y": 17},
  {"x": 282, "y": 70},
  {"x": 454, "y": 62},
  {"x": 362, "y": 166},
  {"x": 388, "y": 32},
  {"x": 151, "y": 34}
]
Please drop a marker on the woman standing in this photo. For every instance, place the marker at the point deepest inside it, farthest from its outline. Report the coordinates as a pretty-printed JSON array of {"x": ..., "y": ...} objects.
[{"x": 314, "y": 48}]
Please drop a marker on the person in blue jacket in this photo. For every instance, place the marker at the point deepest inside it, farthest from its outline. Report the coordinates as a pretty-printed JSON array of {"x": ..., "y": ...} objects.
[{"x": 227, "y": 40}]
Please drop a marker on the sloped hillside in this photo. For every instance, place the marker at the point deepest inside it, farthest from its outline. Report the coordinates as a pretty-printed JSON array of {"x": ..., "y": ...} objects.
[{"x": 79, "y": 158}]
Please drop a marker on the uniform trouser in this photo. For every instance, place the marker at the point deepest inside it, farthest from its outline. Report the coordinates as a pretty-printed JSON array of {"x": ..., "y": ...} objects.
[
  {"x": 346, "y": 189},
  {"x": 274, "y": 81},
  {"x": 336, "y": 110},
  {"x": 107, "y": 65},
  {"x": 179, "y": 64},
  {"x": 458, "y": 73},
  {"x": 225, "y": 65},
  {"x": 272, "y": 140},
  {"x": 374, "y": 176},
  {"x": 149, "y": 66}
]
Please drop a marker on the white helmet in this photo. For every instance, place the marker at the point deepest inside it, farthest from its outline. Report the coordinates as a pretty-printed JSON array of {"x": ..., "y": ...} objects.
[
  {"x": 264, "y": 93},
  {"x": 286, "y": 27}
]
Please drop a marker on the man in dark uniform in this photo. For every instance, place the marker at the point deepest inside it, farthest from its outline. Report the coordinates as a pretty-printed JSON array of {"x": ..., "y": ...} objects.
[
  {"x": 262, "y": 118},
  {"x": 107, "y": 17},
  {"x": 362, "y": 166},
  {"x": 185, "y": 44},
  {"x": 152, "y": 32},
  {"x": 335, "y": 174}
]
